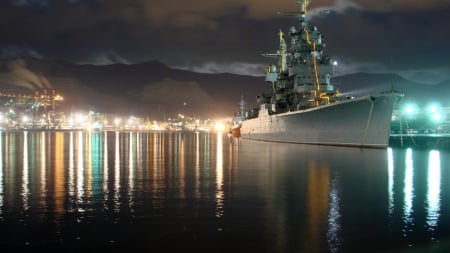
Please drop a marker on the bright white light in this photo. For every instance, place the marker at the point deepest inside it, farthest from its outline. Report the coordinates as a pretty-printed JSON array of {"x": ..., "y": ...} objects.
[
  {"x": 70, "y": 121},
  {"x": 433, "y": 108},
  {"x": 335, "y": 63},
  {"x": 436, "y": 116},
  {"x": 410, "y": 109},
  {"x": 79, "y": 118},
  {"x": 25, "y": 119},
  {"x": 96, "y": 125},
  {"x": 220, "y": 126}
]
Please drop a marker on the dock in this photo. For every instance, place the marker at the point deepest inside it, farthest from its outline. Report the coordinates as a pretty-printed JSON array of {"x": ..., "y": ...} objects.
[{"x": 420, "y": 141}]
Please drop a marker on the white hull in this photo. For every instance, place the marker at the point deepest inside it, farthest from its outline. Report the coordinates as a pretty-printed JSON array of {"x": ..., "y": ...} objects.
[{"x": 361, "y": 122}]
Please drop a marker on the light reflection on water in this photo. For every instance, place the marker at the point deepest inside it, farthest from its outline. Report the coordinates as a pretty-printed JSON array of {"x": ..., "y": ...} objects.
[
  {"x": 1, "y": 176},
  {"x": 25, "y": 171},
  {"x": 434, "y": 190},
  {"x": 117, "y": 165},
  {"x": 277, "y": 197},
  {"x": 219, "y": 178},
  {"x": 43, "y": 159},
  {"x": 105, "y": 167},
  {"x": 334, "y": 216},
  {"x": 408, "y": 192},
  {"x": 426, "y": 187},
  {"x": 80, "y": 189}
]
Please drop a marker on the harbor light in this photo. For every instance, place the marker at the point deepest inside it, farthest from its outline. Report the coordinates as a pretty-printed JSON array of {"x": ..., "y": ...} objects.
[
  {"x": 220, "y": 127},
  {"x": 432, "y": 108},
  {"x": 436, "y": 116},
  {"x": 79, "y": 118},
  {"x": 410, "y": 109},
  {"x": 435, "y": 112},
  {"x": 25, "y": 119}
]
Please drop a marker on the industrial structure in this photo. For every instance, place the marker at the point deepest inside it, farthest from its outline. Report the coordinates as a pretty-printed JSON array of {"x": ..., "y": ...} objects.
[
  {"x": 25, "y": 108},
  {"x": 22, "y": 108}
]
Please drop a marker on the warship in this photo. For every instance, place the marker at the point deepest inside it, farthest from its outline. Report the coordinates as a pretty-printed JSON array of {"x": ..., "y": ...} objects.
[{"x": 304, "y": 107}]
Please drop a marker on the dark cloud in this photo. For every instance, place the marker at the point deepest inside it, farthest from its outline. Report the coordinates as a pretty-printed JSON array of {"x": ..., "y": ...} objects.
[
  {"x": 403, "y": 36},
  {"x": 36, "y": 3},
  {"x": 390, "y": 41},
  {"x": 402, "y": 5}
]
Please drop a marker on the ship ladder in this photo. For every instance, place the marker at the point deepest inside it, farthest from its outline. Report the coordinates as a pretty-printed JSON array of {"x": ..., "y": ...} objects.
[{"x": 372, "y": 104}]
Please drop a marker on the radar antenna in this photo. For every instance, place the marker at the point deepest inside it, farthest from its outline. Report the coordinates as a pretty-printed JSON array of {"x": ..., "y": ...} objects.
[
  {"x": 302, "y": 17},
  {"x": 302, "y": 14},
  {"x": 303, "y": 4}
]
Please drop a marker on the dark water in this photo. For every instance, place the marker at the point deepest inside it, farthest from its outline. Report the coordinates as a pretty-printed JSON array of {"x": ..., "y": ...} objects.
[{"x": 188, "y": 192}]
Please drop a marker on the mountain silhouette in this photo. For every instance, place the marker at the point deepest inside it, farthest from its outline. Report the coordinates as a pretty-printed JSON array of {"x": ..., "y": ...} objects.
[{"x": 152, "y": 89}]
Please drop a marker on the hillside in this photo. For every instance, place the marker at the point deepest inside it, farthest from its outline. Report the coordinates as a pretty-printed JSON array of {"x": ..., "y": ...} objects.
[
  {"x": 153, "y": 89},
  {"x": 413, "y": 91},
  {"x": 143, "y": 89}
]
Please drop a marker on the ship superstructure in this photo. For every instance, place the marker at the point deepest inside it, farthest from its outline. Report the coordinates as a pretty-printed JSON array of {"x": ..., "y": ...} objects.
[
  {"x": 304, "y": 107},
  {"x": 302, "y": 78}
]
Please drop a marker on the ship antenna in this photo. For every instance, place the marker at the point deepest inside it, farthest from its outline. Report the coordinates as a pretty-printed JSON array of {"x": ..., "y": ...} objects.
[
  {"x": 303, "y": 4},
  {"x": 241, "y": 106},
  {"x": 304, "y": 25}
]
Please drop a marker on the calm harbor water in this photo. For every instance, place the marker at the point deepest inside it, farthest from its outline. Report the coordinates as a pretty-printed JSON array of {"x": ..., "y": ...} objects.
[{"x": 179, "y": 192}]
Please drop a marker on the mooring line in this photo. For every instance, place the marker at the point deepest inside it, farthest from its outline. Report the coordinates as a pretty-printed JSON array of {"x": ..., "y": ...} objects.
[{"x": 368, "y": 120}]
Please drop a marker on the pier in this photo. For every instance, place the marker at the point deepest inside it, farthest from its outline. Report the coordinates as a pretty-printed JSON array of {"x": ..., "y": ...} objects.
[{"x": 420, "y": 141}]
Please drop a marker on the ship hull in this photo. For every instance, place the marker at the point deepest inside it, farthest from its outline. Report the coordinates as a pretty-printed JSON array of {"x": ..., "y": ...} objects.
[{"x": 362, "y": 122}]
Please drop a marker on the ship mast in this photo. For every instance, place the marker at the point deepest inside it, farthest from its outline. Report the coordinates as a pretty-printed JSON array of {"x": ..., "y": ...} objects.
[
  {"x": 241, "y": 106},
  {"x": 302, "y": 78},
  {"x": 303, "y": 4},
  {"x": 281, "y": 53},
  {"x": 315, "y": 52},
  {"x": 304, "y": 25}
]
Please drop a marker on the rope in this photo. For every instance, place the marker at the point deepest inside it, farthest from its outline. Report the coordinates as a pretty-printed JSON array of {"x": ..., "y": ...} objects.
[
  {"x": 410, "y": 136},
  {"x": 401, "y": 132},
  {"x": 368, "y": 122}
]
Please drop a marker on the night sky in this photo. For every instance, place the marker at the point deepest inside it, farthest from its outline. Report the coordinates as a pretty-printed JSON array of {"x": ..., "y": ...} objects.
[{"x": 408, "y": 37}]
